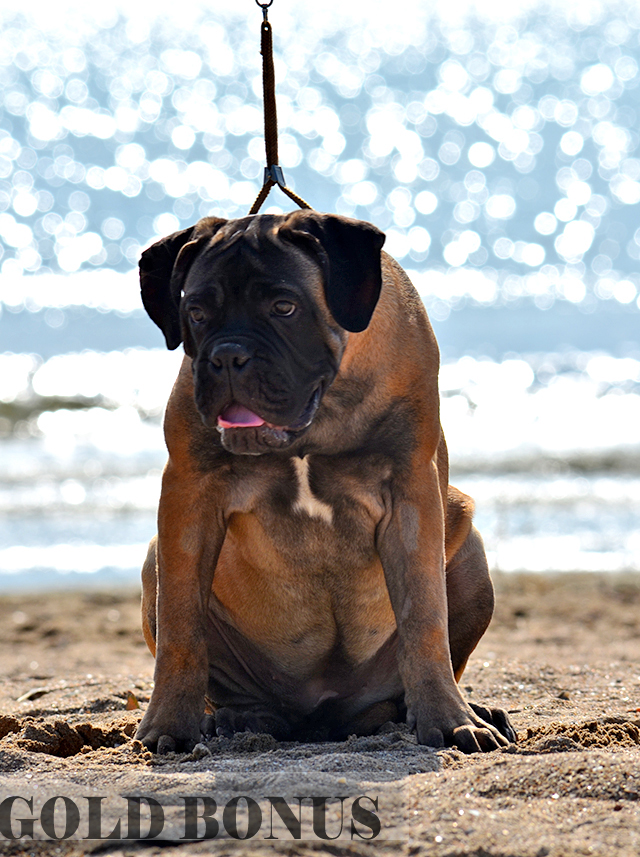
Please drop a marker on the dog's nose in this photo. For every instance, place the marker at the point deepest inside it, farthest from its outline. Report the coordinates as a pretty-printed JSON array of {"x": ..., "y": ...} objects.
[{"x": 229, "y": 355}]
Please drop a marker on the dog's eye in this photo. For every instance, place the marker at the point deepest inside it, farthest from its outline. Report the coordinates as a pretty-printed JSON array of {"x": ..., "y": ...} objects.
[
  {"x": 196, "y": 315},
  {"x": 284, "y": 308}
]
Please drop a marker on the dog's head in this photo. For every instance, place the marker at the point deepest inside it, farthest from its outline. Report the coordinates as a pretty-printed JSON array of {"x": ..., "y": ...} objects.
[{"x": 262, "y": 305}]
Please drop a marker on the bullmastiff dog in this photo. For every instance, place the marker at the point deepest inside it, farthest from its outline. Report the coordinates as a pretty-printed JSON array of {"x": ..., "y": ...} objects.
[{"x": 314, "y": 574}]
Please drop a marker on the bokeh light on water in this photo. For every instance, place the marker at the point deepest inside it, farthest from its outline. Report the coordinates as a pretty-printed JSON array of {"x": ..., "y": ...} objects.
[{"x": 502, "y": 140}]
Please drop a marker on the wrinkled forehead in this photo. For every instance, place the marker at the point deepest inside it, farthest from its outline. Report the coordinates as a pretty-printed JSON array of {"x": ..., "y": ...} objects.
[{"x": 244, "y": 256}]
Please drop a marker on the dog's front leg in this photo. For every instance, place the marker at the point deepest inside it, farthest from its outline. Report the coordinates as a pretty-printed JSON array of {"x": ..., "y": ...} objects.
[
  {"x": 190, "y": 536},
  {"x": 411, "y": 548}
]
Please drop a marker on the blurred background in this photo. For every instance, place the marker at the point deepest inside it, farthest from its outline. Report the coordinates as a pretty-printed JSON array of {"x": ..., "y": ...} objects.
[{"x": 496, "y": 145}]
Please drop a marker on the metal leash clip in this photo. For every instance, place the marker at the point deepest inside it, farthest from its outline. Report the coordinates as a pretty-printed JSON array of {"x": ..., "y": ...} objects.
[
  {"x": 274, "y": 172},
  {"x": 264, "y": 7}
]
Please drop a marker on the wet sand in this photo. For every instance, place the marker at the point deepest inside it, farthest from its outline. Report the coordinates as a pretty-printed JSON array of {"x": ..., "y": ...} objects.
[{"x": 562, "y": 655}]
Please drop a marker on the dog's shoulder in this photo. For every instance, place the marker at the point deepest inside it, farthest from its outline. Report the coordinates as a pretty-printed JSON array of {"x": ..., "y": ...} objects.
[{"x": 403, "y": 289}]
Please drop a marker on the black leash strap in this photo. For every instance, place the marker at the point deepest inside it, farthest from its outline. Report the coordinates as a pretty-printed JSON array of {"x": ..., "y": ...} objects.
[{"x": 273, "y": 174}]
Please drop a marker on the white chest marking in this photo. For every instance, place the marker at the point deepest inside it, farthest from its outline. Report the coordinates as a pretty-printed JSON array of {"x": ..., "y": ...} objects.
[{"x": 305, "y": 501}]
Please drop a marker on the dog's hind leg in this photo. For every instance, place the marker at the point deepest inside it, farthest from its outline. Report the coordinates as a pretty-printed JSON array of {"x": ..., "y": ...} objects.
[
  {"x": 470, "y": 603},
  {"x": 469, "y": 599},
  {"x": 149, "y": 594}
]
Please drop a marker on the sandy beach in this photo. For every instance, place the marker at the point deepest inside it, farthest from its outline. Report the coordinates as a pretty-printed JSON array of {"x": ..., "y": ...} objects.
[{"x": 562, "y": 655}]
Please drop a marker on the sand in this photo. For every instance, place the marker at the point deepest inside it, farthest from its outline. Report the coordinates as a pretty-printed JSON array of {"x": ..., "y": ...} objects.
[{"x": 562, "y": 655}]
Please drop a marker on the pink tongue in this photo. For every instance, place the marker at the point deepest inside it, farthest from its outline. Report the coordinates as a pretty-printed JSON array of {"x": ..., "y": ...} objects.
[{"x": 237, "y": 416}]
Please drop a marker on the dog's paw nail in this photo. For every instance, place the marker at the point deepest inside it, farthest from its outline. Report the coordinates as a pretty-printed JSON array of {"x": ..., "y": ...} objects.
[
  {"x": 166, "y": 744},
  {"x": 464, "y": 739},
  {"x": 208, "y": 725},
  {"x": 434, "y": 738},
  {"x": 222, "y": 732},
  {"x": 488, "y": 741}
]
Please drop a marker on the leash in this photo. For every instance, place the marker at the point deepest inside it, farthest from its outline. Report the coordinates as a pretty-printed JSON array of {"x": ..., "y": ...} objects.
[{"x": 273, "y": 174}]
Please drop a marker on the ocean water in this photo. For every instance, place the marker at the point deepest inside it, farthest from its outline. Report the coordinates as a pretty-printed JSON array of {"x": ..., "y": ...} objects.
[{"x": 497, "y": 147}]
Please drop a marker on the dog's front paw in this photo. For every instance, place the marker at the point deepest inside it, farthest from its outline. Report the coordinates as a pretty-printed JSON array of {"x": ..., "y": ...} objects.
[
  {"x": 462, "y": 727},
  {"x": 498, "y": 718},
  {"x": 163, "y": 731}
]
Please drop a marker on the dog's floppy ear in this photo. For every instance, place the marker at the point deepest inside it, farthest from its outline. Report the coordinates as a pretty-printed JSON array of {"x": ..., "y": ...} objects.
[
  {"x": 161, "y": 301},
  {"x": 349, "y": 253},
  {"x": 156, "y": 267}
]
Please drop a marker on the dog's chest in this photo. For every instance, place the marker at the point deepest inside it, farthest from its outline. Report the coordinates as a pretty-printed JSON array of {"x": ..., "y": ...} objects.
[
  {"x": 300, "y": 557},
  {"x": 314, "y": 510}
]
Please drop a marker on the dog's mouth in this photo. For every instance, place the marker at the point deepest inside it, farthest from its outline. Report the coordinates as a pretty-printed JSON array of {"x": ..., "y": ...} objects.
[
  {"x": 244, "y": 431},
  {"x": 237, "y": 416}
]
